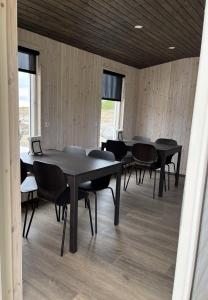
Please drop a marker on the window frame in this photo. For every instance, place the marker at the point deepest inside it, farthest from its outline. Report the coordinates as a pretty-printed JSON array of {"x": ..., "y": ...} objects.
[
  {"x": 35, "y": 101},
  {"x": 119, "y": 109}
]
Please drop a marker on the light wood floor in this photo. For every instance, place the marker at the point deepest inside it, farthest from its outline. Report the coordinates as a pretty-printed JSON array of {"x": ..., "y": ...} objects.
[{"x": 133, "y": 261}]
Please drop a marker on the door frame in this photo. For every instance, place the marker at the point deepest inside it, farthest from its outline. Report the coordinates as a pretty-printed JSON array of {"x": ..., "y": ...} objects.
[
  {"x": 10, "y": 204},
  {"x": 195, "y": 180}
]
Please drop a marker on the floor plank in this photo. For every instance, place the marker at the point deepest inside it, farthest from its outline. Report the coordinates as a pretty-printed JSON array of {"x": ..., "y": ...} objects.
[{"x": 135, "y": 260}]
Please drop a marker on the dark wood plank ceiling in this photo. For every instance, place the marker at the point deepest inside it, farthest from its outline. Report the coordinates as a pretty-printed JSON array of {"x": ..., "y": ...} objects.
[{"x": 106, "y": 27}]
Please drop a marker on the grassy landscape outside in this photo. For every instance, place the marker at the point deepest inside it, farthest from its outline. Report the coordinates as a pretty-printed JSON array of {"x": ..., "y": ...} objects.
[
  {"x": 24, "y": 109},
  {"x": 107, "y": 126},
  {"x": 24, "y": 126}
]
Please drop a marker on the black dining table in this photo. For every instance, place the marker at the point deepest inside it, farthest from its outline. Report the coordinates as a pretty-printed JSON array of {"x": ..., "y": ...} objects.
[
  {"x": 163, "y": 151},
  {"x": 78, "y": 169}
]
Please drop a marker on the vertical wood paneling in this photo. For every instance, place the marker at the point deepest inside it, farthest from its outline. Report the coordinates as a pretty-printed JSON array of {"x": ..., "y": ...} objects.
[
  {"x": 165, "y": 102},
  {"x": 71, "y": 92},
  {"x": 10, "y": 209},
  {"x": 158, "y": 100},
  {"x": 13, "y": 117}
]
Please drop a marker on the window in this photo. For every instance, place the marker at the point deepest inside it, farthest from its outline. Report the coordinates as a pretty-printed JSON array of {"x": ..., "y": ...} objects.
[
  {"x": 28, "y": 104},
  {"x": 111, "y": 105}
]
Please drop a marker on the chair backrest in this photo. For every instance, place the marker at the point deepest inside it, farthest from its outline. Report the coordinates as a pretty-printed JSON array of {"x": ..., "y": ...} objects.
[
  {"x": 103, "y": 182},
  {"x": 144, "y": 153},
  {"x": 50, "y": 180},
  {"x": 75, "y": 150},
  {"x": 141, "y": 138},
  {"x": 166, "y": 141},
  {"x": 118, "y": 148},
  {"x": 23, "y": 171},
  {"x": 106, "y": 155}
]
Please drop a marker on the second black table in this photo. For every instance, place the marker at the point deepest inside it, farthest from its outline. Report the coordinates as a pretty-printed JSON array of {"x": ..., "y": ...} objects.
[{"x": 163, "y": 151}]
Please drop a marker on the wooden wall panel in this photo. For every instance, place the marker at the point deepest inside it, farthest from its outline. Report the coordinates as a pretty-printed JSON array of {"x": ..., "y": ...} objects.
[
  {"x": 10, "y": 203},
  {"x": 165, "y": 102},
  {"x": 158, "y": 100},
  {"x": 71, "y": 92}
]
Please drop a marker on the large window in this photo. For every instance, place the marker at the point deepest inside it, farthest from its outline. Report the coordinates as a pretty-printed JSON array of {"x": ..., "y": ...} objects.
[
  {"x": 111, "y": 105},
  {"x": 28, "y": 103}
]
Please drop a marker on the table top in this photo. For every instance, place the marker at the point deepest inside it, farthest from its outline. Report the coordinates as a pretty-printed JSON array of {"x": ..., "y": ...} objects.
[{"x": 70, "y": 164}]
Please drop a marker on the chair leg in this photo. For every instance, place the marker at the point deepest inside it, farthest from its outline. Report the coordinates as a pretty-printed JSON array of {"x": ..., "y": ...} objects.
[
  {"x": 31, "y": 218},
  {"x": 137, "y": 177},
  {"x": 164, "y": 182},
  {"x": 150, "y": 173},
  {"x": 154, "y": 185},
  {"x": 26, "y": 212},
  {"x": 87, "y": 201},
  {"x": 57, "y": 213},
  {"x": 140, "y": 176},
  {"x": 174, "y": 167},
  {"x": 124, "y": 186},
  {"x": 130, "y": 172},
  {"x": 95, "y": 212},
  {"x": 63, "y": 209},
  {"x": 168, "y": 177},
  {"x": 64, "y": 230},
  {"x": 143, "y": 177},
  {"x": 112, "y": 192}
]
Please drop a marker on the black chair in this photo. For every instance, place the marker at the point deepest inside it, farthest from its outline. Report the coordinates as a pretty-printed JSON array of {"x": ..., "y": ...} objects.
[
  {"x": 28, "y": 186},
  {"x": 120, "y": 151},
  {"x": 101, "y": 183},
  {"x": 145, "y": 157},
  {"x": 52, "y": 186},
  {"x": 169, "y": 158},
  {"x": 141, "y": 138},
  {"x": 75, "y": 150}
]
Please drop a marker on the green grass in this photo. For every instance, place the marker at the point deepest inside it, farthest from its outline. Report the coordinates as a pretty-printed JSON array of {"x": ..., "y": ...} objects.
[{"x": 107, "y": 104}]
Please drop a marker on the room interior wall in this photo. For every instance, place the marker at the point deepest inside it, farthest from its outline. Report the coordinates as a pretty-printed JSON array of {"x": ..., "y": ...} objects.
[
  {"x": 71, "y": 92},
  {"x": 158, "y": 100},
  {"x": 165, "y": 102}
]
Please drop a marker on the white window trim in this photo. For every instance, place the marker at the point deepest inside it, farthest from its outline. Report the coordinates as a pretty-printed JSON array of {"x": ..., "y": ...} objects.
[
  {"x": 35, "y": 101},
  {"x": 118, "y": 113}
]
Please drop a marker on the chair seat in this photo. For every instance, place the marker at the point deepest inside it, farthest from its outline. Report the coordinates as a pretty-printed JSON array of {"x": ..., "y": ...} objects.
[
  {"x": 95, "y": 185},
  {"x": 153, "y": 166},
  {"x": 86, "y": 186},
  {"x": 62, "y": 199},
  {"x": 29, "y": 185}
]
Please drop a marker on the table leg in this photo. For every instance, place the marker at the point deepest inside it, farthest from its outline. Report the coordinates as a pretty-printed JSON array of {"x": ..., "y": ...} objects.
[
  {"x": 117, "y": 198},
  {"x": 73, "y": 214},
  {"x": 178, "y": 169},
  {"x": 162, "y": 174}
]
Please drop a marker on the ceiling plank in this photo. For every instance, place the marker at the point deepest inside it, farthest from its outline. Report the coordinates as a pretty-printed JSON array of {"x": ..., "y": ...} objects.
[{"x": 106, "y": 27}]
